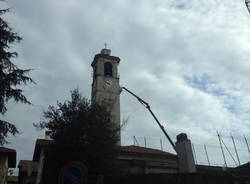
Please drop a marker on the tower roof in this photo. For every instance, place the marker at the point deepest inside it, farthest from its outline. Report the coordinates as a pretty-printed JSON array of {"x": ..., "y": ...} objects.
[{"x": 105, "y": 53}]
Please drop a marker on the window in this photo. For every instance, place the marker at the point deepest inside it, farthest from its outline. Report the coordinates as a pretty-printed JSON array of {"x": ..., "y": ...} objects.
[{"x": 108, "y": 69}]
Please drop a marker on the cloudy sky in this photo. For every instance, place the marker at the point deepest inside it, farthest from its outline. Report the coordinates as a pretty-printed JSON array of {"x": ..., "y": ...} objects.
[{"x": 188, "y": 58}]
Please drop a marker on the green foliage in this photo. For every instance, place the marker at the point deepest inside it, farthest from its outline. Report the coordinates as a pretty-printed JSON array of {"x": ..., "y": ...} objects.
[
  {"x": 10, "y": 76},
  {"x": 81, "y": 131},
  {"x": 5, "y": 128}
]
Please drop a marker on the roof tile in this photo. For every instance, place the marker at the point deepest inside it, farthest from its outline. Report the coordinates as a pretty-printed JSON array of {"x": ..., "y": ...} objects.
[
  {"x": 27, "y": 165},
  {"x": 12, "y": 179},
  {"x": 6, "y": 150},
  {"x": 138, "y": 149}
]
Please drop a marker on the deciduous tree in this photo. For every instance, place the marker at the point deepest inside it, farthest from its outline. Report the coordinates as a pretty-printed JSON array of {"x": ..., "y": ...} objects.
[{"x": 82, "y": 132}]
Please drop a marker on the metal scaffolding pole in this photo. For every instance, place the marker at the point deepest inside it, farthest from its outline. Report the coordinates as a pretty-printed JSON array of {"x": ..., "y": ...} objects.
[
  {"x": 161, "y": 145},
  {"x": 247, "y": 144},
  {"x": 222, "y": 149},
  {"x": 235, "y": 149},
  {"x": 135, "y": 141},
  {"x": 228, "y": 151},
  {"x": 195, "y": 160},
  {"x": 205, "y": 148}
]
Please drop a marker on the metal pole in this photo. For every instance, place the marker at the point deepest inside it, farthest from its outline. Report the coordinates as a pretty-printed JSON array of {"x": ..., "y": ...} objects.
[
  {"x": 145, "y": 142},
  {"x": 161, "y": 145},
  {"x": 206, "y": 154},
  {"x": 247, "y": 144},
  {"x": 228, "y": 151},
  {"x": 134, "y": 140},
  {"x": 222, "y": 150},
  {"x": 195, "y": 160},
  {"x": 235, "y": 149}
]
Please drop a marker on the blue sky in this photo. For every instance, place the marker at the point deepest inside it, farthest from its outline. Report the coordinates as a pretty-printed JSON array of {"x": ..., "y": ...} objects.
[{"x": 188, "y": 58}]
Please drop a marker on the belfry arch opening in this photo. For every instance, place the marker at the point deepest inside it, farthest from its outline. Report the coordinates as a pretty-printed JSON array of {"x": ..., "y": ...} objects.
[{"x": 108, "y": 69}]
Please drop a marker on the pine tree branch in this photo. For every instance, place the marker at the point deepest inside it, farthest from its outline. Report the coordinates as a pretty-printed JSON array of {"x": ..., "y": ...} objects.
[{"x": 6, "y": 129}]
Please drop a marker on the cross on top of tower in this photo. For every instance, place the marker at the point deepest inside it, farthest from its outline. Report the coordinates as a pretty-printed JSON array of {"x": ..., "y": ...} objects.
[{"x": 106, "y": 51}]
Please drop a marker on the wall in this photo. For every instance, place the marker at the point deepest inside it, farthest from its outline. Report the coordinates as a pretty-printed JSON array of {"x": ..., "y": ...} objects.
[
  {"x": 3, "y": 168},
  {"x": 147, "y": 163},
  {"x": 180, "y": 178},
  {"x": 40, "y": 166}
]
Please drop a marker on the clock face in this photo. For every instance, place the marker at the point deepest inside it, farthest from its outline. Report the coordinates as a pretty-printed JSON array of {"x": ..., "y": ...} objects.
[{"x": 107, "y": 83}]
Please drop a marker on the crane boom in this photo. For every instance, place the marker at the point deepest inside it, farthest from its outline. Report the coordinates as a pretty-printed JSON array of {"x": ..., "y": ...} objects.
[
  {"x": 248, "y": 5},
  {"x": 149, "y": 109}
]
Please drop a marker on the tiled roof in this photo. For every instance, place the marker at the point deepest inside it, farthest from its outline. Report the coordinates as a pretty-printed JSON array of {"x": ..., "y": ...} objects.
[
  {"x": 128, "y": 149},
  {"x": 43, "y": 142},
  {"x": 11, "y": 156},
  {"x": 138, "y": 149},
  {"x": 12, "y": 179},
  {"x": 27, "y": 165},
  {"x": 6, "y": 150}
]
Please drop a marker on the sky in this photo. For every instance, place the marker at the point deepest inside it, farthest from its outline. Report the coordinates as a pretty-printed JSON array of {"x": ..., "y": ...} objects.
[{"x": 189, "y": 59}]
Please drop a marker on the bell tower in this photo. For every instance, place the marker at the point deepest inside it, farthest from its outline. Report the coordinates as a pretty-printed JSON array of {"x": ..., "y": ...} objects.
[{"x": 105, "y": 85}]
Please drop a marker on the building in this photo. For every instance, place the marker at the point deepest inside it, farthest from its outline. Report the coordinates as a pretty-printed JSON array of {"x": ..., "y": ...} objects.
[
  {"x": 27, "y": 172},
  {"x": 106, "y": 91},
  {"x": 12, "y": 179},
  {"x": 7, "y": 160},
  {"x": 133, "y": 159},
  {"x": 141, "y": 160}
]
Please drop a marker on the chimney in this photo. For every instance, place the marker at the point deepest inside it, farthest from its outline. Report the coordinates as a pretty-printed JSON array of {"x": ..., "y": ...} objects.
[
  {"x": 47, "y": 134},
  {"x": 11, "y": 172},
  {"x": 185, "y": 154}
]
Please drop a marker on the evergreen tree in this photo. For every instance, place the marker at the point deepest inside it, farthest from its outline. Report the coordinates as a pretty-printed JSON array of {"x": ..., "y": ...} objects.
[
  {"x": 82, "y": 132},
  {"x": 10, "y": 76}
]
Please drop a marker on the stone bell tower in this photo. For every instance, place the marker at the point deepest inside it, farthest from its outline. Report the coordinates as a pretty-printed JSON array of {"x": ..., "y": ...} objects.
[{"x": 105, "y": 85}]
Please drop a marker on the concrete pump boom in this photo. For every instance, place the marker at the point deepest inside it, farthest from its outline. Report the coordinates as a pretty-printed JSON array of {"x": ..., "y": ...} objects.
[
  {"x": 248, "y": 5},
  {"x": 145, "y": 104}
]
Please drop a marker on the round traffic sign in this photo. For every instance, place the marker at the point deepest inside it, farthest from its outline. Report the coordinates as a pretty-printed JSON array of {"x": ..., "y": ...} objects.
[{"x": 73, "y": 173}]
